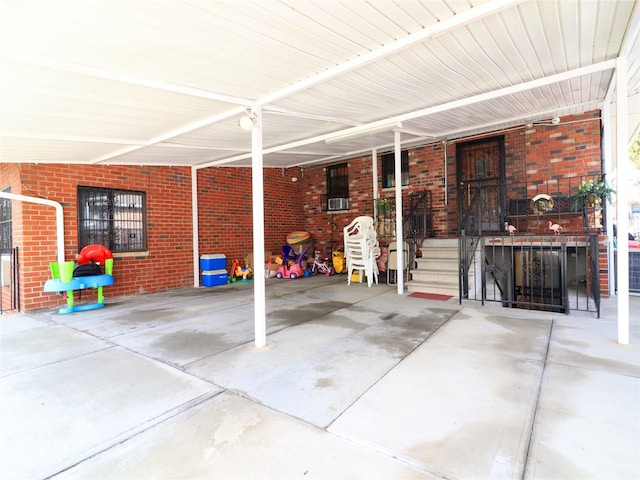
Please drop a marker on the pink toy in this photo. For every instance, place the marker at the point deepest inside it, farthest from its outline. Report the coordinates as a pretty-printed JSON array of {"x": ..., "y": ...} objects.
[
  {"x": 291, "y": 263},
  {"x": 510, "y": 228},
  {"x": 555, "y": 228}
]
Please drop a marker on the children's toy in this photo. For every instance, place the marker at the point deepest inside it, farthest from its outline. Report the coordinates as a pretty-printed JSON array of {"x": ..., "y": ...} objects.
[
  {"x": 94, "y": 253},
  {"x": 291, "y": 263},
  {"x": 295, "y": 238},
  {"x": 320, "y": 265},
  {"x": 245, "y": 273},
  {"x": 65, "y": 280},
  {"x": 237, "y": 271},
  {"x": 337, "y": 259}
]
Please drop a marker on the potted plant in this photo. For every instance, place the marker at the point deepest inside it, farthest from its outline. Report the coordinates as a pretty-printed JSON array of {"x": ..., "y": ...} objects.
[
  {"x": 386, "y": 208},
  {"x": 591, "y": 193}
]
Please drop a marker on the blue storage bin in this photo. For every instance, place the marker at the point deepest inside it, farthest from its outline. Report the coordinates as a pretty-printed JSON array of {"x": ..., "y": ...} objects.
[
  {"x": 211, "y": 278},
  {"x": 213, "y": 262}
]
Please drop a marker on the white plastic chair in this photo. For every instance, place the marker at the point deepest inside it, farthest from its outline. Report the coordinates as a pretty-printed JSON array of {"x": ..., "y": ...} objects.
[
  {"x": 392, "y": 262},
  {"x": 361, "y": 249}
]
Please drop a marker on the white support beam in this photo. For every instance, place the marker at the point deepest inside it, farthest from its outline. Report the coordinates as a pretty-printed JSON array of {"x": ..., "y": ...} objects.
[
  {"x": 257, "y": 182},
  {"x": 607, "y": 152},
  {"x": 623, "y": 193},
  {"x": 399, "y": 232},
  {"x": 425, "y": 112}
]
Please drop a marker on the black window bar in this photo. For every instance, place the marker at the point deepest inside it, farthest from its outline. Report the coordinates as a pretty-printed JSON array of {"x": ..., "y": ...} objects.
[{"x": 114, "y": 218}]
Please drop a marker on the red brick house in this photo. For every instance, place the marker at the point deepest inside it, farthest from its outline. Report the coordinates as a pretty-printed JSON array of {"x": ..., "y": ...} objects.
[
  {"x": 224, "y": 204},
  {"x": 154, "y": 117}
]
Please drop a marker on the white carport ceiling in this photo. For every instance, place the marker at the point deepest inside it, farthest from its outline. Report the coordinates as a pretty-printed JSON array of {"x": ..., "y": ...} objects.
[{"x": 165, "y": 82}]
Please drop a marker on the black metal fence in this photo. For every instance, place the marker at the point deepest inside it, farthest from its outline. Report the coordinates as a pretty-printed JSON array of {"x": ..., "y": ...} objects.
[
  {"x": 553, "y": 273},
  {"x": 10, "y": 288},
  {"x": 534, "y": 208}
]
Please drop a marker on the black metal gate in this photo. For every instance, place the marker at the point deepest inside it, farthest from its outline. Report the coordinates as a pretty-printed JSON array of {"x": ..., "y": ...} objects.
[
  {"x": 10, "y": 289},
  {"x": 553, "y": 273}
]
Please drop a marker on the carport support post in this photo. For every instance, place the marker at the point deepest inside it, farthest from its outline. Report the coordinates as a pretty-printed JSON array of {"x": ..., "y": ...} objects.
[
  {"x": 623, "y": 166},
  {"x": 399, "y": 233},
  {"x": 257, "y": 179}
]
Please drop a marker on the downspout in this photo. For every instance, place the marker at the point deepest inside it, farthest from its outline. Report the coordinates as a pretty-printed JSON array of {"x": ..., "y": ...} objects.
[
  {"x": 374, "y": 174},
  {"x": 446, "y": 179},
  {"x": 59, "y": 216},
  {"x": 194, "y": 220}
]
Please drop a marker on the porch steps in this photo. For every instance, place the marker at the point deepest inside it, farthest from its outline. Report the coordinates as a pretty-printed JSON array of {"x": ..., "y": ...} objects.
[{"x": 437, "y": 270}]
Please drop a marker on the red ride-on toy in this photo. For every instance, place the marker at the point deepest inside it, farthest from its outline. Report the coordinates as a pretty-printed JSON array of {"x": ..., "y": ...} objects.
[{"x": 291, "y": 263}]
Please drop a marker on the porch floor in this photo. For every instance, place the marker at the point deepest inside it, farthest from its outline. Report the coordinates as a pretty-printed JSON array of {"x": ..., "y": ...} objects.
[{"x": 354, "y": 382}]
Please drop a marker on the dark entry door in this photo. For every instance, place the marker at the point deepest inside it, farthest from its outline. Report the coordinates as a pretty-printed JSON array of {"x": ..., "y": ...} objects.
[{"x": 480, "y": 167}]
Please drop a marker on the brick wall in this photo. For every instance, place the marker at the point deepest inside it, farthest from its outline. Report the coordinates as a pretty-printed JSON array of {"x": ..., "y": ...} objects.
[
  {"x": 224, "y": 195},
  {"x": 225, "y": 210},
  {"x": 168, "y": 261},
  {"x": 532, "y": 157},
  {"x": 225, "y": 221}
]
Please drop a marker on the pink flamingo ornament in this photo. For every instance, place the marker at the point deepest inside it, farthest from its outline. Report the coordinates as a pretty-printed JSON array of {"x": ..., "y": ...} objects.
[
  {"x": 555, "y": 228},
  {"x": 510, "y": 228}
]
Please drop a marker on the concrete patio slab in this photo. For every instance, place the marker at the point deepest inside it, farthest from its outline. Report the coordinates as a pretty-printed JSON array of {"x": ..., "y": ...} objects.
[
  {"x": 462, "y": 405},
  {"x": 229, "y": 437},
  {"x": 315, "y": 370},
  {"x": 61, "y": 413},
  {"x": 592, "y": 343},
  {"x": 354, "y": 382},
  {"x": 19, "y": 322},
  {"x": 585, "y": 426},
  {"x": 45, "y": 345}
]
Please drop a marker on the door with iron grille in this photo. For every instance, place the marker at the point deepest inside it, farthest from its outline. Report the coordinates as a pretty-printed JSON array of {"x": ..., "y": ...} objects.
[{"x": 480, "y": 181}]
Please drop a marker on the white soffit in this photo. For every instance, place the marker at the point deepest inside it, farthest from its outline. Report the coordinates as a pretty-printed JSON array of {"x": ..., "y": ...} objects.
[{"x": 164, "y": 83}]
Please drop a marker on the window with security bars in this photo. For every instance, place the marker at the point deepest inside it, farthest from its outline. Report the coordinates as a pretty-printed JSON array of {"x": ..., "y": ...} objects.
[
  {"x": 5, "y": 225},
  {"x": 337, "y": 196},
  {"x": 114, "y": 218},
  {"x": 389, "y": 169}
]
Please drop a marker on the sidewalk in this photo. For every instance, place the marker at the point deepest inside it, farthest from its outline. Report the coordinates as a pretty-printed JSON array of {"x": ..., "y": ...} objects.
[{"x": 354, "y": 382}]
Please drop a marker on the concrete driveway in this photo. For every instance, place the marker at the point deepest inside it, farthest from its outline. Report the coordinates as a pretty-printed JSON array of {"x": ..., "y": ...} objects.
[{"x": 354, "y": 382}]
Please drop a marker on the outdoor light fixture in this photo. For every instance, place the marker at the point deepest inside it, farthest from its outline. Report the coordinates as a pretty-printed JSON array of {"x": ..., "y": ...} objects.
[
  {"x": 357, "y": 132},
  {"x": 246, "y": 123}
]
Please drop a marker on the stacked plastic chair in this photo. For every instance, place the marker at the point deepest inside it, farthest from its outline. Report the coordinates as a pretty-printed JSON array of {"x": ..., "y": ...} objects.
[
  {"x": 361, "y": 249},
  {"x": 393, "y": 264}
]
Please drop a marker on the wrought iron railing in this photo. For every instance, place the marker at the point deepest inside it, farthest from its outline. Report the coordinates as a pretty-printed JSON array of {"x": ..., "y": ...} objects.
[
  {"x": 554, "y": 273},
  {"x": 10, "y": 294},
  {"x": 417, "y": 223},
  {"x": 535, "y": 208}
]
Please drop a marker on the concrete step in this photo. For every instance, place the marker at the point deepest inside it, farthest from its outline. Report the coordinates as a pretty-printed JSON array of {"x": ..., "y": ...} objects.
[
  {"x": 440, "y": 254},
  {"x": 433, "y": 287},
  {"x": 440, "y": 243},
  {"x": 435, "y": 276},
  {"x": 437, "y": 270},
  {"x": 437, "y": 263}
]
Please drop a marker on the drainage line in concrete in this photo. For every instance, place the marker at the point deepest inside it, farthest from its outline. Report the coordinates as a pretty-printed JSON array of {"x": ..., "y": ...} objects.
[{"x": 537, "y": 405}]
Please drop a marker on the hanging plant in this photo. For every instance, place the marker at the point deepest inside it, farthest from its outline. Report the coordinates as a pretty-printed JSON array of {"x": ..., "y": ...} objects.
[
  {"x": 541, "y": 203},
  {"x": 591, "y": 193}
]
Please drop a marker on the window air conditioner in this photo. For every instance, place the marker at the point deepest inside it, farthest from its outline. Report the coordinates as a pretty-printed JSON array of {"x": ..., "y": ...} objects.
[{"x": 338, "y": 204}]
